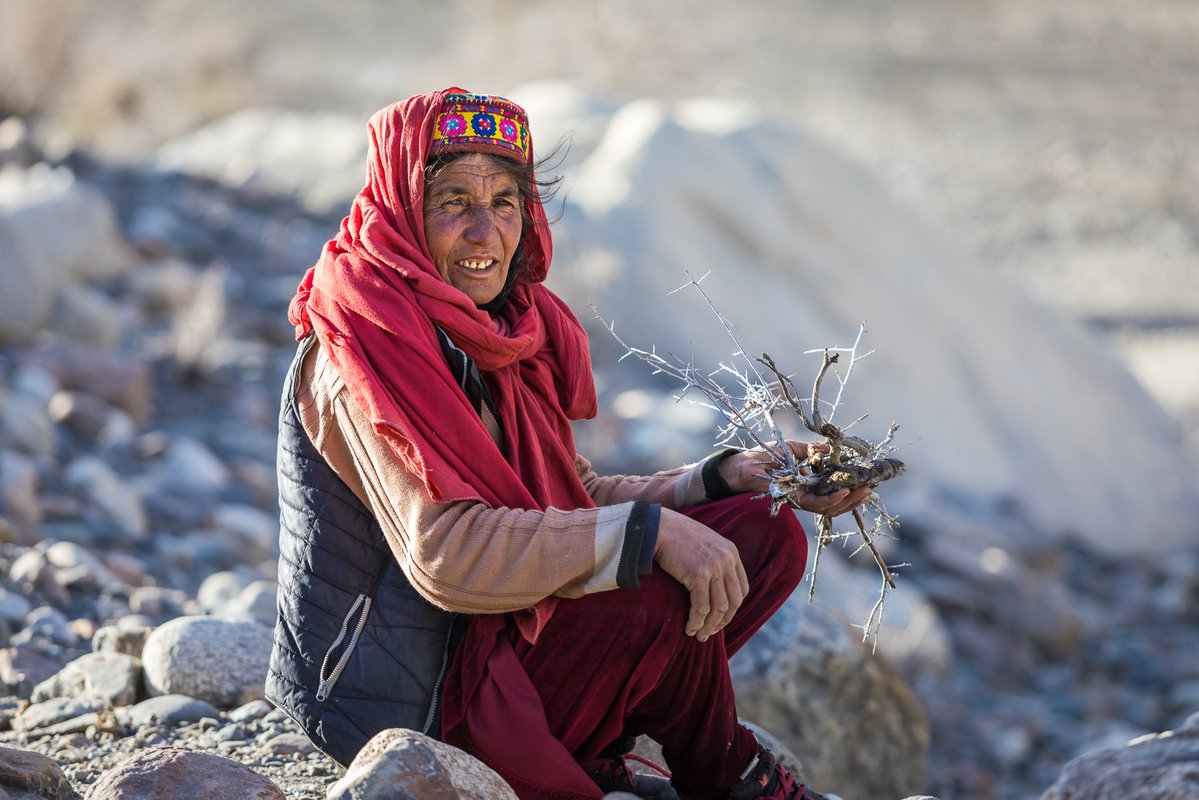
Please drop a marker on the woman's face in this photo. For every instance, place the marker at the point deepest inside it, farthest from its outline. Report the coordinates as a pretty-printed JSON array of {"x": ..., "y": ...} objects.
[{"x": 473, "y": 225}]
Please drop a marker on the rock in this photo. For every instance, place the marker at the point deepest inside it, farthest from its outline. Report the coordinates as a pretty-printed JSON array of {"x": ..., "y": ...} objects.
[
  {"x": 255, "y": 532},
  {"x": 83, "y": 314},
  {"x": 13, "y": 607},
  {"x": 22, "y": 668},
  {"x": 157, "y": 601},
  {"x": 257, "y": 602},
  {"x": 27, "y": 425},
  {"x": 1160, "y": 766},
  {"x": 191, "y": 467},
  {"x": 53, "y": 230},
  {"x": 82, "y": 568},
  {"x": 855, "y": 726},
  {"x": 120, "y": 379},
  {"x": 272, "y": 152},
  {"x": 48, "y": 623},
  {"x": 289, "y": 744},
  {"x": 119, "y": 638},
  {"x": 168, "y": 773},
  {"x": 223, "y": 662},
  {"x": 912, "y": 634},
  {"x": 104, "y": 488},
  {"x": 83, "y": 413},
  {"x": 253, "y": 710},
  {"x": 18, "y": 493},
  {"x": 166, "y": 286},
  {"x": 56, "y": 710},
  {"x": 170, "y": 709},
  {"x": 113, "y": 676},
  {"x": 400, "y": 764},
  {"x": 25, "y": 775},
  {"x": 219, "y": 588}
]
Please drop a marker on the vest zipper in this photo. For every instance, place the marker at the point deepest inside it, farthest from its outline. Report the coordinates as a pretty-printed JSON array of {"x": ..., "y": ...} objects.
[
  {"x": 445, "y": 665},
  {"x": 326, "y": 683}
]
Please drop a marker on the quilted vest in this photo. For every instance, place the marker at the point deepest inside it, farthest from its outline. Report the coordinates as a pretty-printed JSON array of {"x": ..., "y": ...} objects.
[{"x": 356, "y": 648}]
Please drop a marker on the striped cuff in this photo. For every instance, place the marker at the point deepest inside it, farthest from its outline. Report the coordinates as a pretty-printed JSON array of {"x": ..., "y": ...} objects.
[{"x": 640, "y": 541}]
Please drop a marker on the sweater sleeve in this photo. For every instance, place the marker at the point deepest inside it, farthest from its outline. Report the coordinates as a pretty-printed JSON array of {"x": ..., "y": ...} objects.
[
  {"x": 674, "y": 488},
  {"x": 466, "y": 556}
]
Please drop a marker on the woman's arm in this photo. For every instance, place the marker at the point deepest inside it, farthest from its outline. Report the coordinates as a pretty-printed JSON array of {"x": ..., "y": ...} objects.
[{"x": 466, "y": 556}]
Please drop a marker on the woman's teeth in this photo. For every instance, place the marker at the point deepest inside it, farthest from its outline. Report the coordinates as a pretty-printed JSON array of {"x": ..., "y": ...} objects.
[{"x": 476, "y": 264}]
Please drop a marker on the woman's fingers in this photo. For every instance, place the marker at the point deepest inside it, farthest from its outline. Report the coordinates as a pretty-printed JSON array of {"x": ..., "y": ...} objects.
[
  {"x": 718, "y": 600},
  {"x": 700, "y": 607}
]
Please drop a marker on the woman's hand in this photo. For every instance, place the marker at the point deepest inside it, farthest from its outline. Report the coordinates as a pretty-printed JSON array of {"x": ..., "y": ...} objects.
[
  {"x": 745, "y": 472},
  {"x": 708, "y": 565}
]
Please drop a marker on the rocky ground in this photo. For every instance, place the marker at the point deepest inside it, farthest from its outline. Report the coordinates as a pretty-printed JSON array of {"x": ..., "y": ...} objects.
[{"x": 1053, "y": 139}]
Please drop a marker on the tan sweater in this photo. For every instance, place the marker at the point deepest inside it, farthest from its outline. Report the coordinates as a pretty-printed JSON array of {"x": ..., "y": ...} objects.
[{"x": 466, "y": 556}]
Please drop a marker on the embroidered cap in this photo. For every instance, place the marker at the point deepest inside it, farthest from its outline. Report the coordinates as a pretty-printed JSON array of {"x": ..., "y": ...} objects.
[{"x": 480, "y": 123}]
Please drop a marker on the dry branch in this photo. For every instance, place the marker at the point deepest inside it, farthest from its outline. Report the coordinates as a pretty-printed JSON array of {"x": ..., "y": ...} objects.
[{"x": 749, "y": 415}]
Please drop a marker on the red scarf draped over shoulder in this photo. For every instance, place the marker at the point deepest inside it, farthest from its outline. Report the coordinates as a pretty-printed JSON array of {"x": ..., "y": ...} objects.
[{"x": 373, "y": 299}]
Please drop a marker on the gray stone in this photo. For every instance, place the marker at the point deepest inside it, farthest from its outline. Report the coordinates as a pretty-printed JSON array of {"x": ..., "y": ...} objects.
[
  {"x": 276, "y": 153},
  {"x": 254, "y": 531},
  {"x": 56, "y": 710},
  {"x": 13, "y": 607},
  {"x": 192, "y": 466},
  {"x": 121, "y": 639},
  {"x": 22, "y": 668},
  {"x": 400, "y": 764},
  {"x": 223, "y": 662},
  {"x": 257, "y": 602},
  {"x": 83, "y": 413},
  {"x": 102, "y": 486},
  {"x": 1162, "y": 766},
  {"x": 83, "y": 314},
  {"x": 168, "y": 773},
  {"x": 49, "y": 623},
  {"x": 851, "y": 720},
  {"x": 255, "y": 709},
  {"x": 170, "y": 709},
  {"x": 122, "y": 380},
  {"x": 113, "y": 676},
  {"x": 87, "y": 569},
  {"x": 25, "y": 774},
  {"x": 157, "y": 601},
  {"x": 18, "y": 492},
  {"x": 219, "y": 588},
  {"x": 289, "y": 744}
]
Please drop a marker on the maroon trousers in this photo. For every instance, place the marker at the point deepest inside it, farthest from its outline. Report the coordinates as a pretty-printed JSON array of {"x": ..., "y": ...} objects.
[{"x": 619, "y": 663}]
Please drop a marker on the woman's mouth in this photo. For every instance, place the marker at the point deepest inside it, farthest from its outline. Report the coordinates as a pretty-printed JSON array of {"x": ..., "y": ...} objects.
[{"x": 477, "y": 265}]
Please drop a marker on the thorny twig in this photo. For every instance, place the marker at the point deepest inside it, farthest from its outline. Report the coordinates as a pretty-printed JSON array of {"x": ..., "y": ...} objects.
[{"x": 750, "y": 418}]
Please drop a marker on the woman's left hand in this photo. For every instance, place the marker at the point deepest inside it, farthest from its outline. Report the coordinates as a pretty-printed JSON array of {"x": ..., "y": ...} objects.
[{"x": 746, "y": 472}]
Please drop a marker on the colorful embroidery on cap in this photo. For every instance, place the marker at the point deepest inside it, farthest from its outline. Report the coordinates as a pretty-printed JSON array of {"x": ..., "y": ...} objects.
[{"x": 480, "y": 122}]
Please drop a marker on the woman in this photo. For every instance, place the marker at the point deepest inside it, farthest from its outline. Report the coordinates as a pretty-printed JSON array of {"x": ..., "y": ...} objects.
[{"x": 448, "y": 562}]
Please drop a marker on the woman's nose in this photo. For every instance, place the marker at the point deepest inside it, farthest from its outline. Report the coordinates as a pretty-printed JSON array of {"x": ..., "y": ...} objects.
[{"x": 480, "y": 224}]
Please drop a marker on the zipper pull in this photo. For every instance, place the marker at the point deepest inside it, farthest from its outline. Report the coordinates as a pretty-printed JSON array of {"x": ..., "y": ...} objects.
[{"x": 322, "y": 690}]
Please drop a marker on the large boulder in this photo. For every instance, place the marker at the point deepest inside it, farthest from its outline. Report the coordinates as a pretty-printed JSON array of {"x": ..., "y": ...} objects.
[
  {"x": 853, "y": 723},
  {"x": 401, "y": 764},
  {"x": 1162, "y": 766},
  {"x": 26, "y": 775},
  {"x": 54, "y": 230},
  {"x": 168, "y": 773},
  {"x": 219, "y": 661},
  {"x": 316, "y": 158}
]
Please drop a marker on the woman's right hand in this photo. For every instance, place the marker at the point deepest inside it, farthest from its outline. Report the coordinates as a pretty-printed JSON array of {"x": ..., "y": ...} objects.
[{"x": 708, "y": 565}]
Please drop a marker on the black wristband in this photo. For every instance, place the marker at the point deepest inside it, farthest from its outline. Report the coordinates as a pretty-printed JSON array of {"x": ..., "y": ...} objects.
[{"x": 715, "y": 486}]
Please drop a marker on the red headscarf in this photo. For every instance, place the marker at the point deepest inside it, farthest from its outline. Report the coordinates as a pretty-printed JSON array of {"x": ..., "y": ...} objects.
[{"x": 373, "y": 299}]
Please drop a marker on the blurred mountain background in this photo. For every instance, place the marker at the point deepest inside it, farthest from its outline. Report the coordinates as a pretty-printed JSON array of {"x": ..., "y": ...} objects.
[{"x": 1055, "y": 140}]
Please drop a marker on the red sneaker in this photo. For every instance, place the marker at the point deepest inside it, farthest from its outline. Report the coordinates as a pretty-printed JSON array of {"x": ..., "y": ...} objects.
[{"x": 766, "y": 779}]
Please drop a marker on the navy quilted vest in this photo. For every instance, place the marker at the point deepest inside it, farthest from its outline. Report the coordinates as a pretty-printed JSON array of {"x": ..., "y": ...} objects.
[{"x": 357, "y": 649}]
